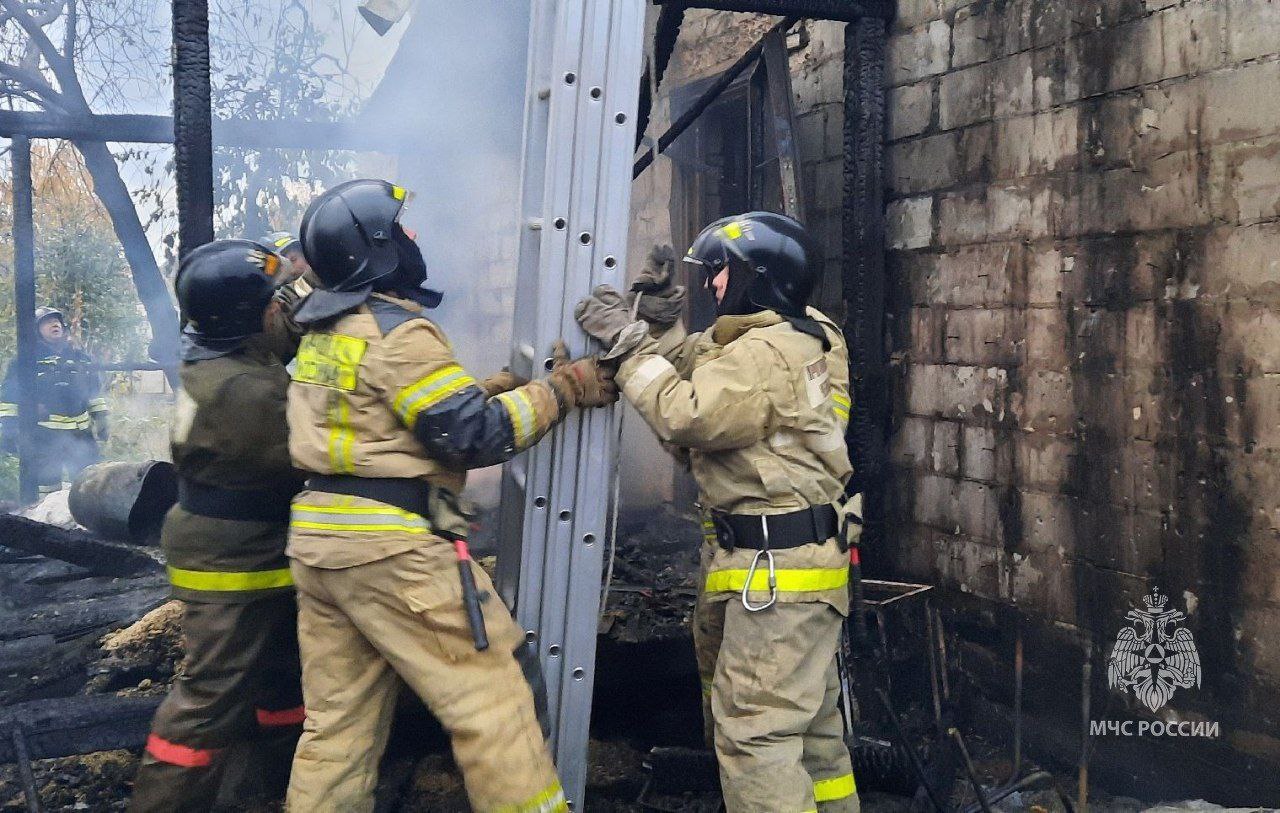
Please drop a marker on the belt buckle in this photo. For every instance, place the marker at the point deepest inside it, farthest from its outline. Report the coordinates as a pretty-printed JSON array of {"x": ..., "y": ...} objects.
[{"x": 724, "y": 530}]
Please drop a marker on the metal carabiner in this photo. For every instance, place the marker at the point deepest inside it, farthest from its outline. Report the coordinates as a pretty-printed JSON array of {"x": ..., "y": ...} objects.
[{"x": 751, "y": 574}]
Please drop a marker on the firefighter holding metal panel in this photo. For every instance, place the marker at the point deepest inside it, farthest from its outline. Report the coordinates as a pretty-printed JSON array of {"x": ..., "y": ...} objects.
[
  {"x": 760, "y": 402},
  {"x": 71, "y": 417},
  {"x": 225, "y": 539},
  {"x": 386, "y": 422}
]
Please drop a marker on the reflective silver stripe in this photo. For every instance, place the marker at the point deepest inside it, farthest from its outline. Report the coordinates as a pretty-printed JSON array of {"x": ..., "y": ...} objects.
[
  {"x": 523, "y": 419},
  {"x": 830, "y": 441},
  {"x": 645, "y": 374},
  {"x": 357, "y": 518}
]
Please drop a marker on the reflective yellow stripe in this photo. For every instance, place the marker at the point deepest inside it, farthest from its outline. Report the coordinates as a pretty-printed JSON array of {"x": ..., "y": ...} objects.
[
  {"x": 330, "y": 360},
  {"x": 523, "y": 416},
  {"x": 732, "y": 230},
  {"x": 213, "y": 581},
  {"x": 357, "y": 518},
  {"x": 709, "y": 532},
  {"x": 804, "y": 580},
  {"x": 81, "y": 421},
  {"x": 98, "y": 405},
  {"x": 550, "y": 800},
  {"x": 840, "y": 405},
  {"x": 341, "y": 438},
  {"x": 837, "y": 787},
  {"x": 8, "y": 410},
  {"x": 428, "y": 391}
]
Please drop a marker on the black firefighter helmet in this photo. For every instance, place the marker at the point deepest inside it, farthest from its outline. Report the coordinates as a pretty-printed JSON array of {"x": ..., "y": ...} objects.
[
  {"x": 353, "y": 240},
  {"x": 223, "y": 289},
  {"x": 768, "y": 256}
]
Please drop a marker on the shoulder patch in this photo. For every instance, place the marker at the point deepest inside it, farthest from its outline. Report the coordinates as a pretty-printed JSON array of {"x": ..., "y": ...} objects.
[{"x": 389, "y": 315}]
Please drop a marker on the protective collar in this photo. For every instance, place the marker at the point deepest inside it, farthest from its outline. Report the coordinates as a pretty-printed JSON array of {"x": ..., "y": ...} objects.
[
  {"x": 728, "y": 328},
  {"x": 195, "y": 348},
  {"x": 322, "y": 304}
]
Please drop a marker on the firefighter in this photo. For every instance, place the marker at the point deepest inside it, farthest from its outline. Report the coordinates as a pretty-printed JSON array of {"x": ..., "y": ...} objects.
[
  {"x": 289, "y": 246},
  {"x": 71, "y": 414},
  {"x": 224, "y": 541},
  {"x": 386, "y": 423},
  {"x": 760, "y": 402}
]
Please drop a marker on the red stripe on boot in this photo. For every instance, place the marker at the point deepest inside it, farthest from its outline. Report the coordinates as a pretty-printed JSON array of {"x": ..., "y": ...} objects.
[
  {"x": 181, "y": 755},
  {"x": 293, "y": 716}
]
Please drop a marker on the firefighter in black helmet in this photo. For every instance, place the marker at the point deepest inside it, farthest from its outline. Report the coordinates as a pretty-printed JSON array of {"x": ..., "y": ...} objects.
[
  {"x": 386, "y": 423},
  {"x": 760, "y": 402},
  {"x": 224, "y": 540},
  {"x": 71, "y": 414}
]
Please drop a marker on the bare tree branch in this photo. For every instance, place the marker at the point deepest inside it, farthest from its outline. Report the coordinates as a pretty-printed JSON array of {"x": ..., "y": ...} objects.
[
  {"x": 69, "y": 35},
  {"x": 33, "y": 81},
  {"x": 63, "y": 69}
]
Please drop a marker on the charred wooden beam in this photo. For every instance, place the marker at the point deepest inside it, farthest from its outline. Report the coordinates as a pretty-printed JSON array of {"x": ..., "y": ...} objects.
[
  {"x": 68, "y": 726},
  {"x": 24, "y": 307},
  {"x": 69, "y": 619},
  {"x": 76, "y": 547},
  {"x": 299, "y": 134},
  {"x": 192, "y": 124},
  {"x": 865, "y": 45},
  {"x": 841, "y": 10}
]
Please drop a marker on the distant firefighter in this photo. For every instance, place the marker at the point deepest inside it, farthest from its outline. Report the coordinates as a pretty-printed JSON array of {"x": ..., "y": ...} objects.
[{"x": 71, "y": 414}]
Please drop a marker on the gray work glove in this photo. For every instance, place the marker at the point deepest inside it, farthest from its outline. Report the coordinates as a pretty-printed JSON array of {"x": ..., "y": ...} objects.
[
  {"x": 605, "y": 317},
  {"x": 660, "y": 302}
]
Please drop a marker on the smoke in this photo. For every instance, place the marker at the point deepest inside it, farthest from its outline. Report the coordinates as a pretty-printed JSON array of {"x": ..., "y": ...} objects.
[{"x": 452, "y": 103}]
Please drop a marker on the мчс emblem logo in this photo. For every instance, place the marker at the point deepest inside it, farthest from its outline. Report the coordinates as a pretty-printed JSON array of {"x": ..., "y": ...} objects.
[{"x": 1154, "y": 656}]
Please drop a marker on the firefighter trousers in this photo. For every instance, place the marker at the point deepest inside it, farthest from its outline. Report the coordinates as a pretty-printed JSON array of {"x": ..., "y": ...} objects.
[
  {"x": 771, "y": 704},
  {"x": 239, "y": 684},
  {"x": 60, "y": 452},
  {"x": 359, "y": 628}
]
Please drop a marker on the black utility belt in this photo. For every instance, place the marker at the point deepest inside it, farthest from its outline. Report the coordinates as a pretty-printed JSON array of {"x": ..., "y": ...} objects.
[
  {"x": 259, "y": 505},
  {"x": 406, "y": 493},
  {"x": 817, "y": 523}
]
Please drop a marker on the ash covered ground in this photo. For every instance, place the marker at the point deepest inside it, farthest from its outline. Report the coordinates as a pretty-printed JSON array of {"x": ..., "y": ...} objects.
[{"x": 65, "y": 632}]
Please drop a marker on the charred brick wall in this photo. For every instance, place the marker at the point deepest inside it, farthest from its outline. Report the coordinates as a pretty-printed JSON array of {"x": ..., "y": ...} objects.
[{"x": 1083, "y": 211}]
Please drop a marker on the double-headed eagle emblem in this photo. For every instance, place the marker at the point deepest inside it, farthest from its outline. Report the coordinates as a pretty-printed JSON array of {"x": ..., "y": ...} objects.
[{"x": 1152, "y": 657}]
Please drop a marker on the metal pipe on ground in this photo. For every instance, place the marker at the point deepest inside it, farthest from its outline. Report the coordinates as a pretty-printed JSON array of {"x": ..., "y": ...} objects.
[
  {"x": 124, "y": 501},
  {"x": 707, "y": 98}
]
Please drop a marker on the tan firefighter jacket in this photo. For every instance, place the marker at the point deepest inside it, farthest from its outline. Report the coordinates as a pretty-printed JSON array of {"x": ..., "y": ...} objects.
[
  {"x": 225, "y": 540},
  {"x": 377, "y": 393},
  {"x": 762, "y": 411}
]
